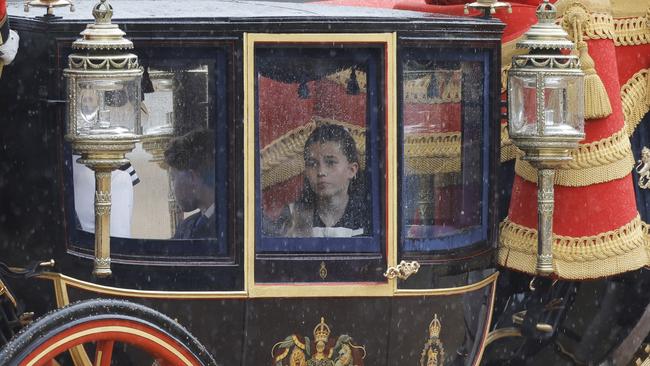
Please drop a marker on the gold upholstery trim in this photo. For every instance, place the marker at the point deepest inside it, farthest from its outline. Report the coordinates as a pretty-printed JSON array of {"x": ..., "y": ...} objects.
[
  {"x": 635, "y": 99},
  {"x": 449, "y": 88},
  {"x": 415, "y": 90},
  {"x": 597, "y": 162},
  {"x": 606, "y": 254},
  {"x": 432, "y": 153},
  {"x": 632, "y": 31},
  {"x": 282, "y": 159},
  {"x": 343, "y": 76}
]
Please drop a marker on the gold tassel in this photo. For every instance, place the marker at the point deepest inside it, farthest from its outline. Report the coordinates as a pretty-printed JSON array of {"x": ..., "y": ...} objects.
[{"x": 597, "y": 103}]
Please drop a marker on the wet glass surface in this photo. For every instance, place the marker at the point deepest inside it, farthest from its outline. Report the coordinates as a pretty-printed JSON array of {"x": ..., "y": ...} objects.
[
  {"x": 442, "y": 167},
  {"x": 317, "y": 113}
]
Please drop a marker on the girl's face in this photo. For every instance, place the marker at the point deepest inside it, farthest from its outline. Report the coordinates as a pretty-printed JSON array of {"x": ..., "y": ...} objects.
[{"x": 328, "y": 171}]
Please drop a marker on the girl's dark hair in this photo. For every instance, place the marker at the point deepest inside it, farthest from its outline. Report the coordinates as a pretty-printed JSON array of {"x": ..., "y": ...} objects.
[{"x": 333, "y": 133}]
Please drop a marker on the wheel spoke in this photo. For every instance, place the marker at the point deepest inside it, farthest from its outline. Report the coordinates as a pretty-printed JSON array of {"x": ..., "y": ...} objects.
[{"x": 104, "y": 353}]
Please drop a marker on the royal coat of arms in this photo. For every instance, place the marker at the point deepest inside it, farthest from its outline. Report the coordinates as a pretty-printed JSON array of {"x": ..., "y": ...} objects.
[
  {"x": 433, "y": 353},
  {"x": 322, "y": 351}
]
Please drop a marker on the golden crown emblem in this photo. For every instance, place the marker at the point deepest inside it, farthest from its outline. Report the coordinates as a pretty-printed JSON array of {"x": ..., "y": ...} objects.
[
  {"x": 434, "y": 327},
  {"x": 321, "y": 331}
]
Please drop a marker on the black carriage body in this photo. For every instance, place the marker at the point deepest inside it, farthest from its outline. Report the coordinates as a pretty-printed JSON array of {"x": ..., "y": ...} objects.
[{"x": 242, "y": 290}]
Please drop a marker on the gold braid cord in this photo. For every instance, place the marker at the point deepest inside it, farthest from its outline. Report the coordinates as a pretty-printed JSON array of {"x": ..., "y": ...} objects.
[
  {"x": 282, "y": 159},
  {"x": 597, "y": 162},
  {"x": 599, "y": 26},
  {"x": 635, "y": 97},
  {"x": 574, "y": 258},
  {"x": 632, "y": 31}
]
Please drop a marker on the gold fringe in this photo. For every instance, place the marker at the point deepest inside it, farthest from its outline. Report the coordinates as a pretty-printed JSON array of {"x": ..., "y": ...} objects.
[
  {"x": 508, "y": 150},
  {"x": 577, "y": 21},
  {"x": 432, "y": 165},
  {"x": 647, "y": 88},
  {"x": 576, "y": 258},
  {"x": 282, "y": 159},
  {"x": 632, "y": 31},
  {"x": 635, "y": 97},
  {"x": 432, "y": 153},
  {"x": 597, "y": 103},
  {"x": 596, "y": 162},
  {"x": 504, "y": 76}
]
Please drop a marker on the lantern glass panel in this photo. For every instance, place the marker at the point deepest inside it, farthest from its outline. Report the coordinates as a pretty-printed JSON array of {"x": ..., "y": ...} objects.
[
  {"x": 159, "y": 116},
  {"x": 108, "y": 106},
  {"x": 563, "y": 106},
  {"x": 522, "y": 90}
]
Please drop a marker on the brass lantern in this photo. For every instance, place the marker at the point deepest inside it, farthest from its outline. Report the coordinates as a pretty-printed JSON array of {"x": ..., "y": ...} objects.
[
  {"x": 546, "y": 113},
  {"x": 103, "y": 85}
]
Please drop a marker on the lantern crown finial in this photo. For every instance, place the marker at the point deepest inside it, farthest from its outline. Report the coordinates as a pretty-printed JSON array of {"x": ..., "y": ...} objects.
[
  {"x": 102, "y": 34},
  {"x": 546, "y": 12},
  {"x": 103, "y": 12},
  {"x": 546, "y": 34}
]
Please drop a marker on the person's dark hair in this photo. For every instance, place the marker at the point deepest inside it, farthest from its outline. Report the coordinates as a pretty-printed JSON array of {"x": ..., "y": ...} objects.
[
  {"x": 333, "y": 133},
  {"x": 195, "y": 151}
]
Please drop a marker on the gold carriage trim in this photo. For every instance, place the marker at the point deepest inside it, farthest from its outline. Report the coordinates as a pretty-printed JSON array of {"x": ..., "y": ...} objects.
[
  {"x": 587, "y": 257},
  {"x": 282, "y": 159},
  {"x": 632, "y": 31},
  {"x": 432, "y": 153},
  {"x": 635, "y": 98},
  {"x": 597, "y": 162}
]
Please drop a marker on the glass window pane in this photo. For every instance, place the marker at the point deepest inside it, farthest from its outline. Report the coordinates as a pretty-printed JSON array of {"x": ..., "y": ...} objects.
[
  {"x": 317, "y": 114},
  {"x": 522, "y": 90},
  {"x": 442, "y": 184},
  {"x": 173, "y": 190}
]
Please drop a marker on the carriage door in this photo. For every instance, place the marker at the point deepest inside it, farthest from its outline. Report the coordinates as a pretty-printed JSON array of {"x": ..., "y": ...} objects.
[{"x": 318, "y": 118}]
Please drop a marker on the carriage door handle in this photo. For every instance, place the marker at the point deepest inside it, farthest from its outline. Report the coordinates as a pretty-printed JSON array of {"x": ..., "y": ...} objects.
[{"x": 403, "y": 270}]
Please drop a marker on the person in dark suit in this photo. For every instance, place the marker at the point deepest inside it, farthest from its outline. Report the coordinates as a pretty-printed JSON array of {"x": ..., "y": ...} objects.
[{"x": 191, "y": 166}]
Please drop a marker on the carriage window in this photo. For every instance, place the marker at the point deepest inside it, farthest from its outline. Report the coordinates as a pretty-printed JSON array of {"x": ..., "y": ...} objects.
[
  {"x": 443, "y": 170},
  {"x": 318, "y": 118},
  {"x": 173, "y": 190}
]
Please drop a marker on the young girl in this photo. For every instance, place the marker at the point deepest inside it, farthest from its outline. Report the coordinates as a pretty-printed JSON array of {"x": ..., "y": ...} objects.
[{"x": 333, "y": 199}]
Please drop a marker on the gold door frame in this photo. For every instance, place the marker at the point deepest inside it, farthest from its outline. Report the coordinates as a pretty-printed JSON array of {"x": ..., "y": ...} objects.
[{"x": 389, "y": 40}]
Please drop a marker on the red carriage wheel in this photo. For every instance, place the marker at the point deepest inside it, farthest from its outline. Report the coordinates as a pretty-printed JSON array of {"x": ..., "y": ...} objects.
[{"x": 103, "y": 323}]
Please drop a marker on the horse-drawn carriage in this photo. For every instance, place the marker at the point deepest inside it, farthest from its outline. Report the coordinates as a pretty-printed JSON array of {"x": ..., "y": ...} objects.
[{"x": 268, "y": 183}]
